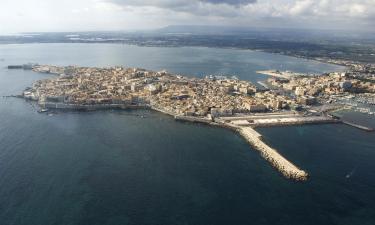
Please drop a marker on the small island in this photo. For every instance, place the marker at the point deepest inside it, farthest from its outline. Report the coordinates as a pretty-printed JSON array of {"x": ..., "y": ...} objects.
[{"x": 215, "y": 100}]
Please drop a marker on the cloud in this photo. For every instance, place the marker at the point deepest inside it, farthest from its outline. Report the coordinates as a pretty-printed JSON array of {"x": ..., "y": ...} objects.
[
  {"x": 192, "y": 6},
  {"x": 341, "y": 14},
  {"x": 180, "y": 3},
  {"x": 68, "y": 15},
  {"x": 230, "y": 2},
  {"x": 293, "y": 9}
]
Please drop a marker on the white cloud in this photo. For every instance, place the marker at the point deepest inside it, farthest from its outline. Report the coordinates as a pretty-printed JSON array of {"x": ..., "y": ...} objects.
[{"x": 75, "y": 15}]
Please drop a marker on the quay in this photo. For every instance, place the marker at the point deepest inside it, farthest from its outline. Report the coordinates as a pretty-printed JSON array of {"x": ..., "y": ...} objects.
[
  {"x": 352, "y": 124},
  {"x": 275, "y": 73},
  {"x": 277, "y": 119},
  {"x": 289, "y": 121}
]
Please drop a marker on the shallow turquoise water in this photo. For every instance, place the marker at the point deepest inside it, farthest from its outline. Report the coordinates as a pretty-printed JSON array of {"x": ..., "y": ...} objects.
[{"x": 117, "y": 167}]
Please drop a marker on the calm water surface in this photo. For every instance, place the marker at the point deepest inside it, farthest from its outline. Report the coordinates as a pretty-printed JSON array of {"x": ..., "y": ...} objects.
[{"x": 118, "y": 167}]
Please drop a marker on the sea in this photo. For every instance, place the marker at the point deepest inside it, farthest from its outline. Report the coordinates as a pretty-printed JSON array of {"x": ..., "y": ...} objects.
[{"x": 139, "y": 167}]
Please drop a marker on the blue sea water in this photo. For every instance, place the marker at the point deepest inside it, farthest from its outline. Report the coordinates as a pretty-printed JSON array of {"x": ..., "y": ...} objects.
[{"x": 142, "y": 167}]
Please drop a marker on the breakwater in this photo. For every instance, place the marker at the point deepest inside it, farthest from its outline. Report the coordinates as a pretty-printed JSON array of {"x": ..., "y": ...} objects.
[
  {"x": 361, "y": 127},
  {"x": 288, "y": 169}
]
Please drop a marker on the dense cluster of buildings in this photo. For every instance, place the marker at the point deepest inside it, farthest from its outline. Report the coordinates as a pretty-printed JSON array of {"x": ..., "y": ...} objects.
[
  {"x": 174, "y": 94},
  {"x": 308, "y": 89},
  {"x": 178, "y": 95}
]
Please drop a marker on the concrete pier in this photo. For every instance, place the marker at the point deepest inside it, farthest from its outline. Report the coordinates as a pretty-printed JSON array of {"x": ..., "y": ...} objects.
[
  {"x": 288, "y": 121},
  {"x": 288, "y": 169}
]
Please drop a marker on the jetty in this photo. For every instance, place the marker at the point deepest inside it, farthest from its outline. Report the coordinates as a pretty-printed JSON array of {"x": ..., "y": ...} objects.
[
  {"x": 361, "y": 127},
  {"x": 288, "y": 169}
]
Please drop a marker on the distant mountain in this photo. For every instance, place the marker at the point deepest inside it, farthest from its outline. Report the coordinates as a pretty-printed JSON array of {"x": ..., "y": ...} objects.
[
  {"x": 205, "y": 29},
  {"x": 286, "y": 34}
]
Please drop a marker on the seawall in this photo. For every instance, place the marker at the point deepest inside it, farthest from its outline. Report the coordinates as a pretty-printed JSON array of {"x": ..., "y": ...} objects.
[{"x": 65, "y": 106}]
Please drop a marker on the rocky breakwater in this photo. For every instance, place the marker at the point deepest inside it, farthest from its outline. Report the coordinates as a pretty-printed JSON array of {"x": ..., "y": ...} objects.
[{"x": 288, "y": 169}]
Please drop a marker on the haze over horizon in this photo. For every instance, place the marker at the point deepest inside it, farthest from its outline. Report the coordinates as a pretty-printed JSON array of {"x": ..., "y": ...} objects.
[{"x": 18, "y": 16}]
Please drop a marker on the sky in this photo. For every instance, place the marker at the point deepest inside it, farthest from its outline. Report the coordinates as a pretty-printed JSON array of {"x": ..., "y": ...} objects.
[{"x": 18, "y": 16}]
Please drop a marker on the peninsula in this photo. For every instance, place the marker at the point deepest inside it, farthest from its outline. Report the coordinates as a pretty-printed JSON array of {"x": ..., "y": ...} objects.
[{"x": 214, "y": 100}]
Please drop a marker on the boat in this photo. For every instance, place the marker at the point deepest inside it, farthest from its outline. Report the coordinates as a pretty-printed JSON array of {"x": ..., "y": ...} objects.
[{"x": 43, "y": 110}]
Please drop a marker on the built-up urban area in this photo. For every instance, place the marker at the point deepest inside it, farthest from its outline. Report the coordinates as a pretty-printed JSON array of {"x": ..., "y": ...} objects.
[
  {"x": 286, "y": 99},
  {"x": 214, "y": 96},
  {"x": 174, "y": 94}
]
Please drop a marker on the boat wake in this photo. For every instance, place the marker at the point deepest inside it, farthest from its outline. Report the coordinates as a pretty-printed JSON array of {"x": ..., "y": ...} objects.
[{"x": 349, "y": 175}]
